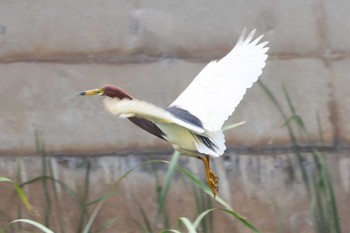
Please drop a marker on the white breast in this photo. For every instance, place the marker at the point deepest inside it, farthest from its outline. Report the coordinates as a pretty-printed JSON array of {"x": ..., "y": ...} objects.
[
  {"x": 181, "y": 138},
  {"x": 185, "y": 141}
]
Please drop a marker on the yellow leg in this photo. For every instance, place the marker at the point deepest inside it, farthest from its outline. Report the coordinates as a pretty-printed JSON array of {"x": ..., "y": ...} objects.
[{"x": 212, "y": 179}]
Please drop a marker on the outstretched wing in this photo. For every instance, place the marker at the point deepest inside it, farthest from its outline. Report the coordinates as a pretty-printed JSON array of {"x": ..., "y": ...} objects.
[
  {"x": 216, "y": 91},
  {"x": 143, "y": 109}
]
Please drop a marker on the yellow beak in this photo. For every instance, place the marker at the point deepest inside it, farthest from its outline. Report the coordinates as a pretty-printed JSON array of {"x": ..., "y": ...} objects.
[{"x": 97, "y": 91}]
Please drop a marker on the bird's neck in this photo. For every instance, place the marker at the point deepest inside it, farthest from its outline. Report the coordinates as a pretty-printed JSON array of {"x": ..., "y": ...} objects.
[{"x": 144, "y": 124}]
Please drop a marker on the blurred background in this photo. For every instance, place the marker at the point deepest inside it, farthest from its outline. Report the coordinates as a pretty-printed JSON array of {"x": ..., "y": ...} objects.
[{"x": 286, "y": 169}]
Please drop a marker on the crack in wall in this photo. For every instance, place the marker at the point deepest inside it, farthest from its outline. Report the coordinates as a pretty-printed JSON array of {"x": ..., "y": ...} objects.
[{"x": 327, "y": 57}]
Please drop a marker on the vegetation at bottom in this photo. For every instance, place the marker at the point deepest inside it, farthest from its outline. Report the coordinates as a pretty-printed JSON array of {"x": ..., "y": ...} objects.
[
  {"x": 315, "y": 174},
  {"x": 90, "y": 208}
]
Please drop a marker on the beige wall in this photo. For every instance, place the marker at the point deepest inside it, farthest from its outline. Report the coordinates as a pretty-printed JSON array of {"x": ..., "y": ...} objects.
[
  {"x": 50, "y": 50},
  {"x": 53, "y": 49}
]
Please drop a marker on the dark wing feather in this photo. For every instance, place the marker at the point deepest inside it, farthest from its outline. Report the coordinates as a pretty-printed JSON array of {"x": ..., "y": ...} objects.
[
  {"x": 149, "y": 126},
  {"x": 185, "y": 115}
]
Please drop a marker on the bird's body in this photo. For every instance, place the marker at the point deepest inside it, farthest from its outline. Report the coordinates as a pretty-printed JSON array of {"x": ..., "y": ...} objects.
[
  {"x": 193, "y": 122},
  {"x": 181, "y": 138},
  {"x": 182, "y": 129}
]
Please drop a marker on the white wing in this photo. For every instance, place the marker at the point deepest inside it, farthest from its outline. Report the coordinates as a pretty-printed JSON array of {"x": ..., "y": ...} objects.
[
  {"x": 216, "y": 91},
  {"x": 129, "y": 108}
]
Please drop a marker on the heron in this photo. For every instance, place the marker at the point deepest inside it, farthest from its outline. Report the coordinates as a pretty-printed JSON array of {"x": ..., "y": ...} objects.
[{"x": 193, "y": 122}]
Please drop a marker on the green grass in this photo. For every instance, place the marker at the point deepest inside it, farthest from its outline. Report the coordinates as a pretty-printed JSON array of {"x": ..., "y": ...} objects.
[
  {"x": 20, "y": 192},
  {"x": 89, "y": 209},
  {"x": 203, "y": 203},
  {"x": 318, "y": 181}
]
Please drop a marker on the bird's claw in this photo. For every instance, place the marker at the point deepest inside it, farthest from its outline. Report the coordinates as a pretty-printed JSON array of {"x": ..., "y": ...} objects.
[
  {"x": 213, "y": 183},
  {"x": 212, "y": 179}
]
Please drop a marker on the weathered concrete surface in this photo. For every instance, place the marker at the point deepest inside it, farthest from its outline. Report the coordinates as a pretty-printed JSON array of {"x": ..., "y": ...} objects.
[
  {"x": 53, "y": 49},
  {"x": 340, "y": 79},
  {"x": 112, "y": 32},
  {"x": 307, "y": 83},
  {"x": 46, "y": 58},
  {"x": 181, "y": 28},
  {"x": 70, "y": 123},
  {"x": 267, "y": 189},
  {"x": 337, "y": 26}
]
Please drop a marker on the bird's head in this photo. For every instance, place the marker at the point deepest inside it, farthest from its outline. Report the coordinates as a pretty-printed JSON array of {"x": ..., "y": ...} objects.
[{"x": 108, "y": 90}]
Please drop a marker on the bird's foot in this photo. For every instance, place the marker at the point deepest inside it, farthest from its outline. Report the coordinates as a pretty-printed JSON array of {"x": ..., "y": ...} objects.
[
  {"x": 213, "y": 182},
  {"x": 212, "y": 179}
]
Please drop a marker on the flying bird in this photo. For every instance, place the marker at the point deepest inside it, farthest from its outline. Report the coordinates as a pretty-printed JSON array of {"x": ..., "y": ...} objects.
[{"x": 193, "y": 122}]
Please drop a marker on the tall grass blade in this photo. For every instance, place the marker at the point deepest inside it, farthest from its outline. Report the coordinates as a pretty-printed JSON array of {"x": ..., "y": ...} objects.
[
  {"x": 64, "y": 187},
  {"x": 88, "y": 225},
  {"x": 325, "y": 210},
  {"x": 329, "y": 193},
  {"x": 106, "y": 224},
  {"x": 102, "y": 198},
  {"x": 36, "y": 224},
  {"x": 21, "y": 194},
  {"x": 228, "y": 127},
  {"x": 170, "y": 230},
  {"x": 318, "y": 208},
  {"x": 187, "y": 223},
  {"x": 230, "y": 212},
  {"x": 318, "y": 182},
  {"x": 203, "y": 203},
  {"x": 145, "y": 219},
  {"x": 167, "y": 181},
  {"x": 202, "y": 186},
  {"x": 227, "y": 208},
  {"x": 294, "y": 114},
  {"x": 158, "y": 190},
  {"x": 84, "y": 199},
  {"x": 20, "y": 205},
  {"x": 115, "y": 185},
  {"x": 295, "y": 146},
  {"x": 56, "y": 198},
  {"x": 200, "y": 217},
  {"x": 192, "y": 227},
  {"x": 194, "y": 180},
  {"x": 47, "y": 200}
]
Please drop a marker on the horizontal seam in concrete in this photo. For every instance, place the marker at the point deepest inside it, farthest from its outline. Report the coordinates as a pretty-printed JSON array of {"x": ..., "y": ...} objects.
[
  {"x": 143, "y": 58},
  {"x": 260, "y": 151}
]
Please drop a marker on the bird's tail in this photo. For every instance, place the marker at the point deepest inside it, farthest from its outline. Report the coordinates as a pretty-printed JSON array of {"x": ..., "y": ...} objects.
[{"x": 212, "y": 144}]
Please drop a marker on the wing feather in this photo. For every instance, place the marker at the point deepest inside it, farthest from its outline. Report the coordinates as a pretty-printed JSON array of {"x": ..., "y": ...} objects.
[
  {"x": 217, "y": 90},
  {"x": 143, "y": 109}
]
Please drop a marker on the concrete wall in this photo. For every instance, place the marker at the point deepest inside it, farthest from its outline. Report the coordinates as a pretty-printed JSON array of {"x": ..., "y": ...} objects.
[
  {"x": 154, "y": 50},
  {"x": 267, "y": 189},
  {"x": 52, "y": 49}
]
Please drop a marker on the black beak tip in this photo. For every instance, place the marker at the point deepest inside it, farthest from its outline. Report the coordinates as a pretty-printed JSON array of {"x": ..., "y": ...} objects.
[{"x": 81, "y": 93}]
